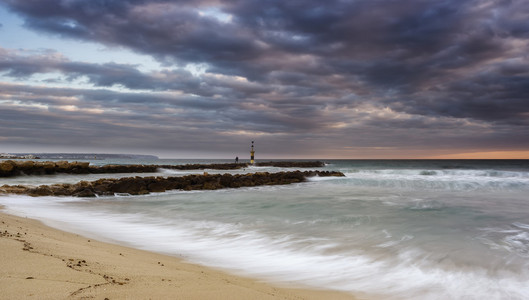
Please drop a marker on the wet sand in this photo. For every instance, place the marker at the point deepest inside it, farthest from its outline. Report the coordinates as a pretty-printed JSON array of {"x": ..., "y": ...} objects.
[{"x": 39, "y": 262}]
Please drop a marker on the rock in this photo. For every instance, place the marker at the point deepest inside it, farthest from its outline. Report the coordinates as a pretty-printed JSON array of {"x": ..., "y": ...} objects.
[
  {"x": 47, "y": 165},
  {"x": 42, "y": 190},
  {"x": 26, "y": 165},
  {"x": 85, "y": 193},
  {"x": 62, "y": 189},
  {"x": 7, "y": 167},
  {"x": 329, "y": 173},
  {"x": 158, "y": 187},
  {"x": 211, "y": 185},
  {"x": 78, "y": 164},
  {"x": 226, "y": 180},
  {"x": 62, "y": 166},
  {"x": 13, "y": 189},
  {"x": 131, "y": 185}
]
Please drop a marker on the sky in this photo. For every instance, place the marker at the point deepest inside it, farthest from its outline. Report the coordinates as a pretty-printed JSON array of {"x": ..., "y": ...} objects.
[{"x": 349, "y": 79}]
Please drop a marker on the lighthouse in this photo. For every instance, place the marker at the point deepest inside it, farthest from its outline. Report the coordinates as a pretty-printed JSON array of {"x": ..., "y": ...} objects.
[{"x": 252, "y": 152}]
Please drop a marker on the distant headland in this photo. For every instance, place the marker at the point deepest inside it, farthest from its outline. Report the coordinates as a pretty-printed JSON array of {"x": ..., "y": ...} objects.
[{"x": 18, "y": 156}]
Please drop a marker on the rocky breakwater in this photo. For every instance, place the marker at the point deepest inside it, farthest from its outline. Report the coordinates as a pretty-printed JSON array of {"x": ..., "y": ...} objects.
[
  {"x": 145, "y": 185},
  {"x": 12, "y": 168},
  {"x": 228, "y": 166},
  {"x": 15, "y": 168},
  {"x": 291, "y": 164}
]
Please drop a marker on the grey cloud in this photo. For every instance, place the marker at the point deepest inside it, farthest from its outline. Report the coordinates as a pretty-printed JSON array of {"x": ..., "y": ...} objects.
[
  {"x": 498, "y": 95},
  {"x": 349, "y": 31},
  {"x": 172, "y": 111},
  {"x": 125, "y": 123},
  {"x": 111, "y": 74},
  {"x": 304, "y": 61}
]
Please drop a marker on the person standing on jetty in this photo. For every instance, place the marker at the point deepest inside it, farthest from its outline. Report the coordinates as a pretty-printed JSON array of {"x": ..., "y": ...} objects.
[{"x": 236, "y": 159}]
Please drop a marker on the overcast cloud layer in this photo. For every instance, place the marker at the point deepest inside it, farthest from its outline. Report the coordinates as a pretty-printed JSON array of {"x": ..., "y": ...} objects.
[{"x": 357, "y": 79}]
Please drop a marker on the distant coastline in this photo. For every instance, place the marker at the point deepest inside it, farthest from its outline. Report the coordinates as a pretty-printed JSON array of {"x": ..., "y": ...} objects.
[{"x": 18, "y": 156}]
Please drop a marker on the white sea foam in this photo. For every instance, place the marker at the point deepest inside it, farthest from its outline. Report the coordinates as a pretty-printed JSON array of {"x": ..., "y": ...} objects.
[
  {"x": 175, "y": 172},
  {"x": 440, "y": 179},
  {"x": 514, "y": 239},
  {"x": 521, "y": 225},
  {"x": 442, "y": 172}
]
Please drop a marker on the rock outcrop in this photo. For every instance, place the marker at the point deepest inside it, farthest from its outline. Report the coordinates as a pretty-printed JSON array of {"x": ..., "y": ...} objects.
[{"x": 145, "y": 185}]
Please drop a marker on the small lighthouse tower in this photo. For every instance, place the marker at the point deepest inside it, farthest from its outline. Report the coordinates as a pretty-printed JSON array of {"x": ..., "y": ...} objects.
[{"x": 252, "y": 152}]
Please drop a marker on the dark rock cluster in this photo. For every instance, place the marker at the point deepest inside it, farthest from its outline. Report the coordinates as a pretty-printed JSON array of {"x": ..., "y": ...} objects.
[{"x": 145, "y": 185}]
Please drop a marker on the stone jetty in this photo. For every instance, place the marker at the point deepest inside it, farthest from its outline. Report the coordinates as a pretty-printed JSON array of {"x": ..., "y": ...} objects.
[
  {"x": 144, "y": 185},
  {"x": 15, "y": 168},
  {"x": 291, "y": 164},
  {"x": 12, "y": 168}
]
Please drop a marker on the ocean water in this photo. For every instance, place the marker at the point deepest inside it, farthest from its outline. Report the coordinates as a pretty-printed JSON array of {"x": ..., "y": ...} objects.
[{"x": 397, "y": 229}]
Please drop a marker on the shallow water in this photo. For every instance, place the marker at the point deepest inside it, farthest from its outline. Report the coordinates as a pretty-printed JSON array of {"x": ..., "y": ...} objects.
[{"x": 400, "y": 229}]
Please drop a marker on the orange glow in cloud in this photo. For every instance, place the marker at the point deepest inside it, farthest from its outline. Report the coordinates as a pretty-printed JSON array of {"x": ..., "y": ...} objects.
[{"x": 485, "y": 155}]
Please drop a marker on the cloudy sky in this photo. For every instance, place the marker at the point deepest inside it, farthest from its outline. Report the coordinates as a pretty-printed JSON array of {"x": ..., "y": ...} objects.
[{"x": 302, "y": 78}]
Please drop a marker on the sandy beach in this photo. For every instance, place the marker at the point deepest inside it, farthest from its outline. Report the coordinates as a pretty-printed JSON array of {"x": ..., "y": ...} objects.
[{"x": 39, "y": 262}]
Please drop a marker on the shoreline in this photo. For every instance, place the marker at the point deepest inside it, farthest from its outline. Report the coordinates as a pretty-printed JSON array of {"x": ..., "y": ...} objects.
[{"x": 38, "y": 261}]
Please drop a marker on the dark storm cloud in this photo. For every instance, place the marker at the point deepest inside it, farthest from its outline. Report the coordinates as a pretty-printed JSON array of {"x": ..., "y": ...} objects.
[
  {"x": 494, "y": 97},
  {"x": 308, "y": 66},
  {"x": 167, "y": 29},
  {"x": 385, "y": 45}
]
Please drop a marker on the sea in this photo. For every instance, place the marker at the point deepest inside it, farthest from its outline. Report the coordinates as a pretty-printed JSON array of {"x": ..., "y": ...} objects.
[{"x": 391, "y": 229}]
